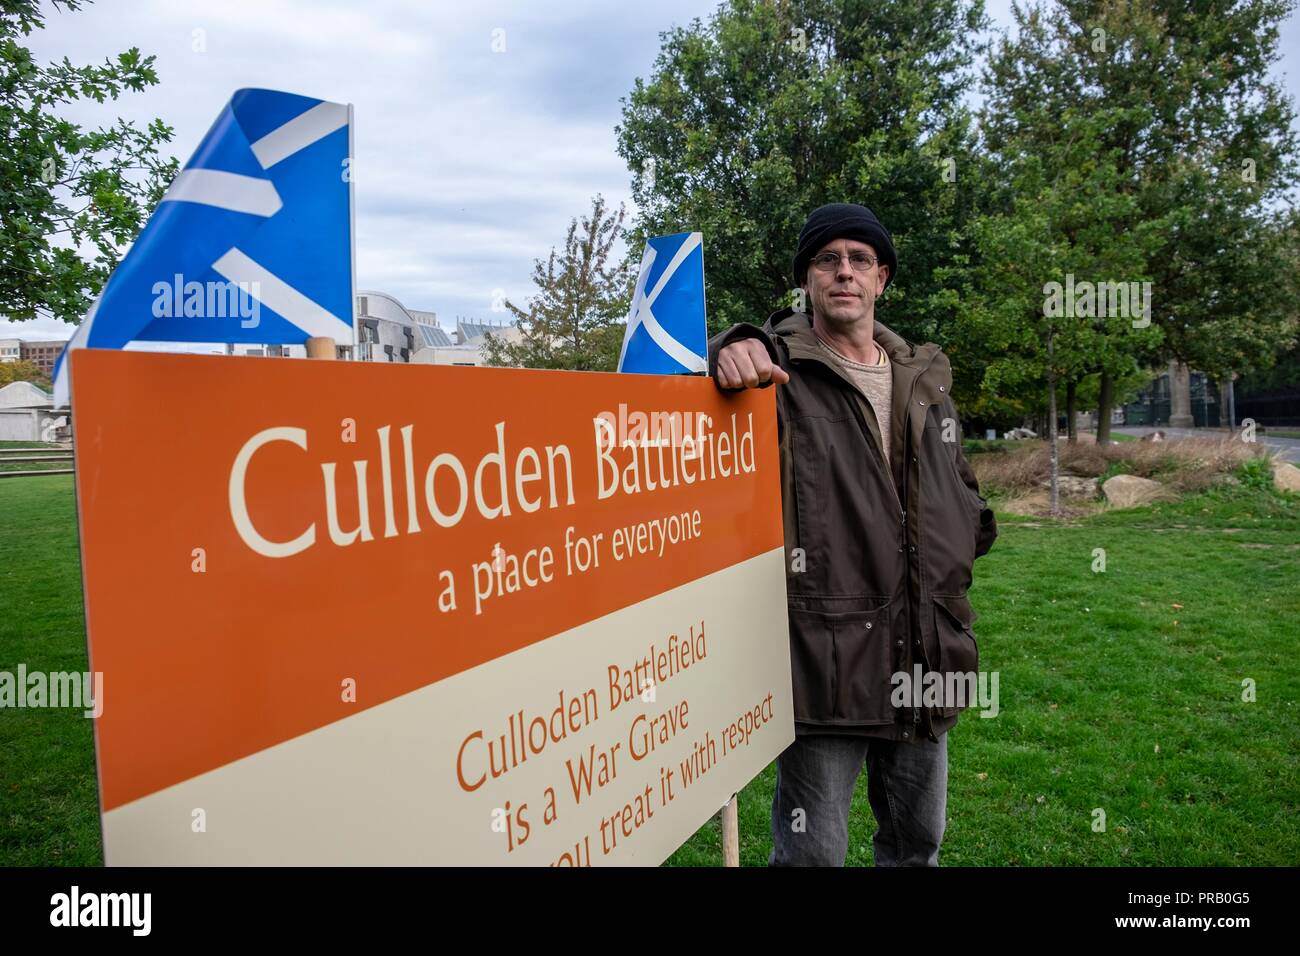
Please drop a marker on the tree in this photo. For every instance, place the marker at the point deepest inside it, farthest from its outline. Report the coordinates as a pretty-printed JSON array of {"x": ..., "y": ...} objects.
[
  {"x": 62, "y": 188},
  {"x": 1057, "y": 219},
  {"x": 1064, "y": 186},
  {"x": 1204, "y": 153},
  {"x": 770, "y": 109},
  {"x": 22, "y": 371},
  {"x": 575, "y": 321}
]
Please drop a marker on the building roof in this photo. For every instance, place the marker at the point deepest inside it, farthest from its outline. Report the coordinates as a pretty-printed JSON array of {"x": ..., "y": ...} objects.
[
  {"x": 381, "y": 305},
  {"x": 432, "y": 336},
  {"x": 25, "y": 395},
  {"x": 470, "y": 332},
  {"x": 423, "y": 324}
]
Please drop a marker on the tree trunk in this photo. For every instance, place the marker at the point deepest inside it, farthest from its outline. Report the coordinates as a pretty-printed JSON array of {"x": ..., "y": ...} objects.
[
  {"x": 1105, "y": 399},
  {"x": 1053, "y": 451},
  {"x": 1228, "y": 402},
  {"x": 1071, "y": 411}
]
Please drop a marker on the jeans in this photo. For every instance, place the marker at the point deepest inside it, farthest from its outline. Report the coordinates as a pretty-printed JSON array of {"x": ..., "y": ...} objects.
[{"x": 907, "y": 787}]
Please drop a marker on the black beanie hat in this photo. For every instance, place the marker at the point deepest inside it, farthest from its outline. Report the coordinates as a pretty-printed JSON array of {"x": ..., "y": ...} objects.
[{"x": 843, "y": 220}]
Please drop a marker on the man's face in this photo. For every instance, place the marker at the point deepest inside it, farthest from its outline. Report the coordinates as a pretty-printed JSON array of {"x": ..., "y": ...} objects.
[{"x": 843, "y": 296}]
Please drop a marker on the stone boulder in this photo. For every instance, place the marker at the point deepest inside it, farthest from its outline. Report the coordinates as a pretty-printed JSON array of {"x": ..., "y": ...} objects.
[
  {"x": 1286, "y": 476},
  {"x": 1129, "y": 491}
]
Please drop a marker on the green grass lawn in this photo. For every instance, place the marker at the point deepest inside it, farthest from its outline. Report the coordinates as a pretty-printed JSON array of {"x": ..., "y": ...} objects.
[
  {"x": 1110, "y": 696},
  {"x": 49, "y": 809}
]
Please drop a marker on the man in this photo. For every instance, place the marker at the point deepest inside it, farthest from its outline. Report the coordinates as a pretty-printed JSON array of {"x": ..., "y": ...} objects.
[{"x": 883, "y": 520}]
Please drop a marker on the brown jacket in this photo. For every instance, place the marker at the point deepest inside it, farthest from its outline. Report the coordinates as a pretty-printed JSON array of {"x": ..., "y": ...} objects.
[{"x": 877, "y": 566}]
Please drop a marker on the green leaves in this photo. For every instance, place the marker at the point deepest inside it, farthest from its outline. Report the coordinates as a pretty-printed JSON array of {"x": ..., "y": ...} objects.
[
  {"x": 1134, "y": 154},
  {"x": 766, "y": 111},
  {"x": 64, "y": 189}
]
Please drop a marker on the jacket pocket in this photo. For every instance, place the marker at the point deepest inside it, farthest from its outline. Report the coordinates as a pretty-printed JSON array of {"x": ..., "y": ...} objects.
[
  {"x": 840, "y": 665},
  {"x": 958, "y": 651}
]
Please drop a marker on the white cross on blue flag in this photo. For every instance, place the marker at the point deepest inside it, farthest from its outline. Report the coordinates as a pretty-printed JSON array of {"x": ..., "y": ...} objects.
[
  {"x": 260, "y": 216},
  {"x": 665, "y": 329}
]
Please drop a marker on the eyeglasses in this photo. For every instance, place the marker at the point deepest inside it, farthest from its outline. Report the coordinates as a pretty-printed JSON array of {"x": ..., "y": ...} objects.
[{"x": 830, "y": 262}]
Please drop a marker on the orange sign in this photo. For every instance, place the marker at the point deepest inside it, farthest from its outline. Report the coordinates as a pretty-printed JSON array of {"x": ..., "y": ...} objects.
[{"x": 361, "y": 613}]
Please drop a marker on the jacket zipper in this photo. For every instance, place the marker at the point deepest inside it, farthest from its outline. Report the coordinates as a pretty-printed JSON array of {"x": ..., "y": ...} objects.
[
  {"x": 907, "y": 449},
  {"x": 907, "y": 556}
]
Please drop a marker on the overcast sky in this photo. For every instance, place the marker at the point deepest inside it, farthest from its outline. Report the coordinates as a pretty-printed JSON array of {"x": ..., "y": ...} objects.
[{"x": 470, "y": 163}]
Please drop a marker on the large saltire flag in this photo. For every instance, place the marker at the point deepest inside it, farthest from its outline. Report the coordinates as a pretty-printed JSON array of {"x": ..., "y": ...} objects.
[
  {"x": 251, "y": 243},
  {"x": 665, "y": 328}
]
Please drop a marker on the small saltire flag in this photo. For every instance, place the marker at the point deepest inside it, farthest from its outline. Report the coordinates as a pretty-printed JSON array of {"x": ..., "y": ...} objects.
[
  {"x": 251, "y": 243},
  {"x": 665, "y": 328}
]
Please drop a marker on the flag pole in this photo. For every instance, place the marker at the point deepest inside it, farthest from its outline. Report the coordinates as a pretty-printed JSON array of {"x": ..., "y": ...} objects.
[
  {"x": 352, "y": 233},
  {"x": 731, "y": 833},
  {"x": 321, "y": 347}
]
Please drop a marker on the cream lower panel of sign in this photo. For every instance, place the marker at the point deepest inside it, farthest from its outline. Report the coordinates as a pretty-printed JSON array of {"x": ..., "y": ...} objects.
[{"x": 382, "y": 787}]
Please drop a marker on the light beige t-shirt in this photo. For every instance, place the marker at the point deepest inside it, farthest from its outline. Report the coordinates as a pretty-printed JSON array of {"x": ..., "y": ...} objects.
[{"x": 877, "y": 383}]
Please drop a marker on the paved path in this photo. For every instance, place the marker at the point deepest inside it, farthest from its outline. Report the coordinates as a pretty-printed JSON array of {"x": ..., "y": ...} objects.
[{"x": 1287, "y": 448}]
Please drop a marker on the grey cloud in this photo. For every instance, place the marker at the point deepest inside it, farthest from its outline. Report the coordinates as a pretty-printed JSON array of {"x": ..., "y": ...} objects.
[{"x": 470, "y": 164}]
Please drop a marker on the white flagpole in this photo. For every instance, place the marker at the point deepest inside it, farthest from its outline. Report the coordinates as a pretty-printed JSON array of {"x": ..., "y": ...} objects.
[{"x": 352, "y": 231}]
